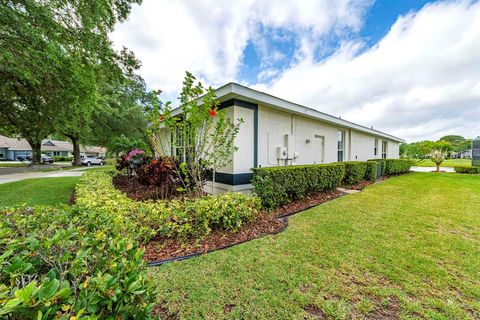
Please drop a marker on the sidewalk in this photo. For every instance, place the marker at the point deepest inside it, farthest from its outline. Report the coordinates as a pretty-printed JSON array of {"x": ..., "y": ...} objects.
[{"x": 30, "y": 175}]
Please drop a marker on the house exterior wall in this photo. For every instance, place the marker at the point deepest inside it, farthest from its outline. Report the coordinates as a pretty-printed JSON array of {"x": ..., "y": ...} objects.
[
  {"x": 275, "y": 124},
  {"x": 265, "y": 131}
]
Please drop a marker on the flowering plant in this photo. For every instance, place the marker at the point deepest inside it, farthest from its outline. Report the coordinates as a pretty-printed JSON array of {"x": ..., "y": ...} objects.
[{"x": 135, "y": 154}]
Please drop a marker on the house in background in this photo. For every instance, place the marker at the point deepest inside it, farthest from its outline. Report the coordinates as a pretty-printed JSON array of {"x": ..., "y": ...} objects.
[
  {"x": 277, "y": 132},
  {"x": 12, "y": 148}
]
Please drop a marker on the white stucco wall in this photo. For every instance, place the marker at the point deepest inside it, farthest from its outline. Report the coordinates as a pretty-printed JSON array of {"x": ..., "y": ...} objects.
[{"x": 275, "y": 124}]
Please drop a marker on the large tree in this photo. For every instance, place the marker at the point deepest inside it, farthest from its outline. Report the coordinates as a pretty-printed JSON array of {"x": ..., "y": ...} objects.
[{"x": 51, "y": 54}]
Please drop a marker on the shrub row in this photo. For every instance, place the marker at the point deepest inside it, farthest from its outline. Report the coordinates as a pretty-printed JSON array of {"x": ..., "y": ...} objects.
[
  {"x": 62, "y": 158},
  {"x": 355, "y": 172},
  {"x": 177, "y": 218},
  {"x": 467, "y": 169},
  {"x": 277, "y": 186},
  {"x": 71, "y": 263},
  {"x": 394, "y": 166}
]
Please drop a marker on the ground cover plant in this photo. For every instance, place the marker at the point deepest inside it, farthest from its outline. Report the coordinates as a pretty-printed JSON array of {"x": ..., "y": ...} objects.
[
  {"x": 38, "y": 191},
  {"x": 71, "y": 263},
  {"x": 175, "y": 218},
  {"x": 404, "y": 248}
]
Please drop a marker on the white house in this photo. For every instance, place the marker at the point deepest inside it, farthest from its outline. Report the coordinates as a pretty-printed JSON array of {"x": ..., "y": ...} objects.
[{"x": 277, "y": 132}]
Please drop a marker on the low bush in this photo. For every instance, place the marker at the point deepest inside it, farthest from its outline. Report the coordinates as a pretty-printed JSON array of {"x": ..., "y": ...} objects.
[
  {"x": 371, "y": 171},
  {"x": 159, "y": 174},
  {"x": 397, "y": 166},
  {"x": 467, "y": 169},
  {"x": 71, "y": 263},
  {"x": 277, "y": 186},
  {"x": 175, "y": 218},
  {"x": 354, "y": 172},
  {"x": 62, "y": 158}
]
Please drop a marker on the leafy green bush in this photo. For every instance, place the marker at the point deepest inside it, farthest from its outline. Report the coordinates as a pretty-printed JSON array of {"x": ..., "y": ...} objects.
[
  {"x": 371, "y": 171},
  {"x": 176, "y": 218},
  {"x": 467, "y": 169},
  {"x": 354, "y": 172},
  {"x": 397, "y": 166},
  {"x": 277, "y": 186},
  {"x": 62, "y": 158},
  {"x": 71, "y": 263}
]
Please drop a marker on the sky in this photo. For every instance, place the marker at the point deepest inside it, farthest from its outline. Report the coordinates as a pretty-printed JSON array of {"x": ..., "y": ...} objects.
[{"x": 410, "y": 68}]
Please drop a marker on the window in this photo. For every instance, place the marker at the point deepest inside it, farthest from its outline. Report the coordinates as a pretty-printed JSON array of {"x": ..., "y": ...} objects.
[
  {"x": 375, "y": 148},
  {"x": 384, "y": 149},
  {"x": 340, "y": 145}
]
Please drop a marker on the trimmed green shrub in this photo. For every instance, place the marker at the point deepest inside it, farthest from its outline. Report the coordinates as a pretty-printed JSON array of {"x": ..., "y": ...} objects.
[
  {"x": 354, "y": 172},
  {"x": 467, "y": 169},
  {"x": 176, "y": 218},
  {"x": 394, "y": 166},
  {"x": 277, "y": 186},
  {"x": 397, "y": 166},
  {"x": 62, "y": 158},
  {"x": 71, "y": 263},
  {"x": 371, "y": 171}
]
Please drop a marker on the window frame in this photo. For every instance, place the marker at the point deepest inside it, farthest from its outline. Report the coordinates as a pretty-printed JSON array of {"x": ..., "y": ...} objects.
[
  {"x": 384, "y": 149},
  {"x": 375, "y": 147},
  {"x": 340, "y": 145}
]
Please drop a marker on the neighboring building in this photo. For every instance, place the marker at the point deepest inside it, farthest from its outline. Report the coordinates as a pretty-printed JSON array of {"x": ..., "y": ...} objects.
[
  {"x": 277, "y": 132},
  {"x": 12, "y": 148}
]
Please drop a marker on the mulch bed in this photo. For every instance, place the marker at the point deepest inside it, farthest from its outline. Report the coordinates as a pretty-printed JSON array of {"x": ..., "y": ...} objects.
[
  {"x": 267, "y": 223},
  {"x": 134, "y": 189},
  {"x": 160, "y": 249}
]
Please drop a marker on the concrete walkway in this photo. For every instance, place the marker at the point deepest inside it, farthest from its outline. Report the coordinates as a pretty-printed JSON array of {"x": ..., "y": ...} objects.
[
  {"x": 431, "y": 169},
  {"x": 30, "y": 175}
]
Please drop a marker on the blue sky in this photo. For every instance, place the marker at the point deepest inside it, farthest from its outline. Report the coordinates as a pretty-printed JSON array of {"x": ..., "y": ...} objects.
[
  {"x": 379, "y": 18},
  {"x": 409, "y": 68}
]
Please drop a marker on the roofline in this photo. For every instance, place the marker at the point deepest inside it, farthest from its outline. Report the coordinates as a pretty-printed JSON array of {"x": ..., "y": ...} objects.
[{"x": 235, "y": 90}]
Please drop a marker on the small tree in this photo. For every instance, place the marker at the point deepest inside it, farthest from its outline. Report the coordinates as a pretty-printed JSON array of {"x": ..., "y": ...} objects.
[
  {"x": 439, "y": 152},
  {"x": 201, "y": 137}
]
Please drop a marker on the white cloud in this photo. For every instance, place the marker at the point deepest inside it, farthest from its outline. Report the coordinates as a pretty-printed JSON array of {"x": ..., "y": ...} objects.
[
  {"x": 422, "y": 80},
  {"x": 208, "y": 37}
]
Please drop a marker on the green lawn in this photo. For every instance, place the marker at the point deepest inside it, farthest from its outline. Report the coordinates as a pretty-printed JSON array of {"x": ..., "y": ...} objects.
[
  {"x": 446, "y": 163},
  {"x": 40, "y": 191},
  {"x": 405, "y": 248}
]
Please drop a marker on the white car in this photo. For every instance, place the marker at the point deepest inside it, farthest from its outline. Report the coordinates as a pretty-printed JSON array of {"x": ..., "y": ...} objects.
[{"x": 89, "y": 161}]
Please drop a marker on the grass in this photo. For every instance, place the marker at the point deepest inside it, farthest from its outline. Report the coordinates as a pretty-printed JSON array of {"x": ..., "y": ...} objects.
[
  {"x": 13, "y": 165},
  {"x": 446, "y": 163},
  {"x": 39, "y": 191},
  {"x": 405, "y": 248}
]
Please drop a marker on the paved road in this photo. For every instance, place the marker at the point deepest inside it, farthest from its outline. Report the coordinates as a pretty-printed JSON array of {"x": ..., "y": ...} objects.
[{"x": 29, "y": 175}]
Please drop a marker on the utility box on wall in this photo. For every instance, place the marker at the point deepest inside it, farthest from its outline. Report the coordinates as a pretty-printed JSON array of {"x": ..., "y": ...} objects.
[{"x": 476, "y": 152}]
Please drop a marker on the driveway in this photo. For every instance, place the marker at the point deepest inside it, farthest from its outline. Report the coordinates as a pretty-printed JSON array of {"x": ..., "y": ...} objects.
[{"x": 4, "y": 178}]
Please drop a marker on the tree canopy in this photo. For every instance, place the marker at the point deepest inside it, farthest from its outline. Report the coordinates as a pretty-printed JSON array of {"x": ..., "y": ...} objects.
[{"x": 59, "y": 72}]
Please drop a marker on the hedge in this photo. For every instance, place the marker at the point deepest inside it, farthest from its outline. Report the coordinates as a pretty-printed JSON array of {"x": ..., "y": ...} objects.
[
  {"x": 371, "y": 171},
  {"x": 177, "y": 218},
  {"x": 467, "y": 169},
  {"x": 62, "y": 158},
  {"x": 394, "y": 166},
  {"x": 71, "y": 263},
  {"x": 277, "y": 186},
  {"x": 354, "y": 172}
]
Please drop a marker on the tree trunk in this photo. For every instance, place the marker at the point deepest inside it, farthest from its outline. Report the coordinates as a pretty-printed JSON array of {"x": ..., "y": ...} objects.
[
  {"x": 76, "y": 149},
  {"x": 36, "y": 152},
  {"x": 438, "y": 167}
]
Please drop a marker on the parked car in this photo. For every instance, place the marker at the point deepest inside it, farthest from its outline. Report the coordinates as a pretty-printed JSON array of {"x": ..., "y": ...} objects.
[
  {"x": 22, "y": 158},
  {"x": 45, "y": 159},
  {"x": 89, "y": 161}
]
